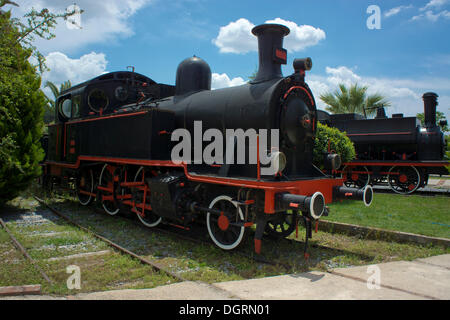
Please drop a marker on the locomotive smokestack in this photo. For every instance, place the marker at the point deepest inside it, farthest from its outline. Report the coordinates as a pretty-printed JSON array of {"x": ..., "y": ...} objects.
[
  {"x": 429, "y": 105},
  {"x": 381, "y": 113},
  {"x": 270, "y": 50}
]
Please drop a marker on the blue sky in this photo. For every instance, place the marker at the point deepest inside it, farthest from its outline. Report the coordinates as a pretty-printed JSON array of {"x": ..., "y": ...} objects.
[{"x": 408, "y": 56}]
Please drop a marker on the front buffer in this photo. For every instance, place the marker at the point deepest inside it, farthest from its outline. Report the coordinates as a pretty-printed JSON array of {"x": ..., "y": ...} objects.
[{"x": 306, "y": 199}]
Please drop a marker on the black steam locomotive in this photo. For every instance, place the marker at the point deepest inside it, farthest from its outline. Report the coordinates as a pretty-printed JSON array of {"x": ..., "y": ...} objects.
[
  {"x": 113, "y": 139},
  {"x": 395, "y": 150}
]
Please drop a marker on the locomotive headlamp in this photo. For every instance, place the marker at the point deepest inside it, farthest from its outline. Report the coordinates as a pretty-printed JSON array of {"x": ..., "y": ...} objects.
[
  {"x": 304, "y": 64},
  {"x": 278, "y": 161}
]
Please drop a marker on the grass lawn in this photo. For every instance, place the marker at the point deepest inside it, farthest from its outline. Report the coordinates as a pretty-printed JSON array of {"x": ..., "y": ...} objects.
[{"x": 428, "y": 216}]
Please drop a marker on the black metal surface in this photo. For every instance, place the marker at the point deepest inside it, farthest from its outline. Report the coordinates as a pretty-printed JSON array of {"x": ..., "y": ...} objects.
[
  {"x": 287, "y": 201},
  {"x": 165, "y": 189},
  {"x": 138, "y": 136},
  {"x": 430, "y": 103},
  {"x": 352, "y": 193},
  {"x": 302, "y": 64}
]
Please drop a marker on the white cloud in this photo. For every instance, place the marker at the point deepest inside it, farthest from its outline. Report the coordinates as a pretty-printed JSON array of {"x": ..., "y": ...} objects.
[
  {"x": 434, "y": 4},
  {"x": 223, "y": 81},
  {"x": 236, "y": 37},
  {"x": 430, "y": 16},
  {"x": 300, "y": 37},
  {"x": 341, "y": 75},
  {"x": 396, "y": 10},
  {"x": 63, "y": 68},
  {"x": 404, "y": 94},
  {"x": 388, "y": 87},
  {"x": 101, "y": 21}
]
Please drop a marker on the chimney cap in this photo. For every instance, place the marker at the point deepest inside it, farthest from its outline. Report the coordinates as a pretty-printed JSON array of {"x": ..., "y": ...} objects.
[
  {"x": 277, "y": 27},
  {"x": 430, "y": 94}
]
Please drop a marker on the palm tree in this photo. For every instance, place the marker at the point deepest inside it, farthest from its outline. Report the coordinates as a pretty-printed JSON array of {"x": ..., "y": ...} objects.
[
  {"x": 353, "y": 100},
  {"x": 50, "y": 107}
]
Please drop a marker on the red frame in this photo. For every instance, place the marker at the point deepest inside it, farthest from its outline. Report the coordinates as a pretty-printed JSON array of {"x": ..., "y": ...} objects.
[
  {"x": 300, "y": 187},
  {"x": 398, "y": 163}
]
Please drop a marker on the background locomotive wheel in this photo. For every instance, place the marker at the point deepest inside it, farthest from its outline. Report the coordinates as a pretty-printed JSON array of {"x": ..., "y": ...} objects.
[
  {"x": 357, "y": 177},
  {"x": 220, "y": 226},
  {"x": 107, "y": 181},
  {"x": 403, "y": 180},
  {"x": 282, "y": 225},
  {"x": 149, "y": 218},
  {"x": 85, "y": 183}
]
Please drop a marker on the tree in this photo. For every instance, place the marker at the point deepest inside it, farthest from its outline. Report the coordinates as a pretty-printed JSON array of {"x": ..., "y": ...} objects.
[
  {"x": 21, "y": 100},
  {"x": 50, "y": 106},
  {"x": 439, "y": 116},
  {"x": 353, "y": 100}
]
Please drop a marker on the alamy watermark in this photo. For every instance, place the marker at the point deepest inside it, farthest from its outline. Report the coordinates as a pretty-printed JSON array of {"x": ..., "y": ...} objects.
[
  {"x": 374, "y": 280},
  {"x": 215, "y": 153},
  {"x": 374, "y": 20},
  {"x": 74, "y": 280}
]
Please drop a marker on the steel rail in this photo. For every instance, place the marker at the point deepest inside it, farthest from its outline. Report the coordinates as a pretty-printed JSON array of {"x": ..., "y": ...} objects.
[
  {"x": 24, "y": 252},
  {"x": 256, "y": 258},
  {"x": 153, "y": 264},
  {"x": 177, "y": 234}
]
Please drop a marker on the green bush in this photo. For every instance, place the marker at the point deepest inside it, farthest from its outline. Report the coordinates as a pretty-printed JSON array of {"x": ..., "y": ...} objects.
[
  {"x": 339, "y": 143},
  {"x": 21, "y": 111}
]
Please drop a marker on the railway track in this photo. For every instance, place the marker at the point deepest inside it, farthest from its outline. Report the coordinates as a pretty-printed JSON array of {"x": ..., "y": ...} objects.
[
  {"x": 194, "y": 235},
  {"x": 197, "y": 235},
  {"x": 272, "y": 255},
  {"x": 426, "y": 192},
  {"x": 181, "y": 255},
  {"x": 21, "y": 248},
  {"x": 112, "y": 244}
]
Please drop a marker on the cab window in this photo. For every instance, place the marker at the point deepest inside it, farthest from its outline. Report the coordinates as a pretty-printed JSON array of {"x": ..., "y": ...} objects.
[
  {"x": 69, "y": 107},
  {"x": 66, "y": 108},
  {"x": 98, "y": 100}
]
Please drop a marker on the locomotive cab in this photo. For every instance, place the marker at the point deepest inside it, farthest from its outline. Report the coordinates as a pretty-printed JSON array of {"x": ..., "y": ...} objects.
[{"x": 107, "y": 94}]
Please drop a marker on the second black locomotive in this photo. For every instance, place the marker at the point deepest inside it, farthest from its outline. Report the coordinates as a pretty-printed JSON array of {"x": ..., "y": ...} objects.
[{"x": 397, "y": 150}]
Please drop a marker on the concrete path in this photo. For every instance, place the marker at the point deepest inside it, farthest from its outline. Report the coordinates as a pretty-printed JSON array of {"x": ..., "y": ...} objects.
[
  {"x": 427, "y": 278},
  {"x": 439, "y": 183}
]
